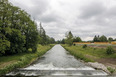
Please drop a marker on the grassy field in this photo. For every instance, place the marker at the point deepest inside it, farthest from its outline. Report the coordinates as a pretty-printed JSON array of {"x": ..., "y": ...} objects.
[
  {"x": 8, "y": 63},
  {"x": 89, "y": 54}
]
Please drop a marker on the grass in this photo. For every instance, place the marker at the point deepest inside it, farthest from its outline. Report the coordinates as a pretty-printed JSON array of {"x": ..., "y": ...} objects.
[
  {"x": 112, "y": 70},
  {"x": 9, "y": 63},
  {"x": 88, "y": 54}
]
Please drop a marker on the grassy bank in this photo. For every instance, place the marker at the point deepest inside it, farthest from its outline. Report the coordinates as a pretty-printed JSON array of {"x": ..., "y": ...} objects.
[
  {"x": 89, "y": 54},
  {"x": 9, "y": 63}
]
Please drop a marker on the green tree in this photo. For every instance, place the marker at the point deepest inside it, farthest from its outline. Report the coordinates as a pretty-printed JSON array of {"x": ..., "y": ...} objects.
[
  {"x": 110, "y": 39},
  {"x": 103, "y": 38},
  {"x": 69, "y": 38},
  {"x": 96, "y": 38},
  {"x": 63, "y": 41},
  {"x": 18, "y": 32},
  {"x": 17, "y": 42},
  {"x": 42, "y": 35},
  {"x": 77, "y": 39}
]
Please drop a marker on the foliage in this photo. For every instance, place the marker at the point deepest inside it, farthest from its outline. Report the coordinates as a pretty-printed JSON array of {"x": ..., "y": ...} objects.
[
  {"x": 84, "y": 46},
  {"x": 4, "y": 45},
  {"x": 69, "y": 38},
  {"x": 18, "y": 32},
  {"x": 29, "y": 50},
  {"x": 111, "y": 70},
  {"x": 63, "y": 41},
  {"x": 103, "y": 38},
  {"x": 100, "y": 38},
  {"x": 77, "y": 39},
  {"x": 22, "y": 59},
  {"x": 43, "y": 38},
  {"x": 110, "y": 50},
  {"x": 110, "y": 39},
  {"x": 96, "y": 39}
]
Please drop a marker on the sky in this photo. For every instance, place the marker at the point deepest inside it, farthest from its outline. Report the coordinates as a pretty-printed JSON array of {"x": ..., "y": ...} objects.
[{"x": 84, "y": 18}]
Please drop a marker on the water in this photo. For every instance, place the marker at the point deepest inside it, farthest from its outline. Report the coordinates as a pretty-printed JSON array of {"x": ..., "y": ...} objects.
[{"x": 58, "y": 61}]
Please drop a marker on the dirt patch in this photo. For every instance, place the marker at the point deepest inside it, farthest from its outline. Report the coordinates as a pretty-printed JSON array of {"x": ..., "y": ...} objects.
[
  {"x": 4, "y": 64},
  {"x": 91, "y": 57},
  {"x": 101, "y": 46},
  {"x": 108, "y": 61}
]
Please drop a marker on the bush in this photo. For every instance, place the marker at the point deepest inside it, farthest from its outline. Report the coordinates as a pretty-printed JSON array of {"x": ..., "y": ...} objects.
[
  {"x": 111, "y": 70},
  {"x": 30, "y": 50},
  {"x": 84, "y": 46},
  {"x": 110, "y": 50}
]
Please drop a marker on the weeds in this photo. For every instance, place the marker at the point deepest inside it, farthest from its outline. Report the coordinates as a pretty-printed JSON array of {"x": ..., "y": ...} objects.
[
  {"x": 110, "y": 50},
  {"x": 84, "y": 46},
  {"x": 111, "y": 70},
  {"x": 77, "y": 54}
]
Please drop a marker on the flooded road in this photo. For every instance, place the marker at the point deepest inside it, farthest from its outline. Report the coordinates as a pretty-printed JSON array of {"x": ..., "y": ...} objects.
[{"x": 58, "y": 61}]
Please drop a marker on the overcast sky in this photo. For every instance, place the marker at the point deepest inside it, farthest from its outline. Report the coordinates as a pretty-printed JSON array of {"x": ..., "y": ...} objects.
[{"x": 85, "y": 18}]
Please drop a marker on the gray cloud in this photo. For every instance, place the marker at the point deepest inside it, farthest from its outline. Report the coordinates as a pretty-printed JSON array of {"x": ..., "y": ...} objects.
[
  {"x": 92, "y": 9},
  {"x": 35, "y": 8},
  {"x": 51, "y": 17},
  {"x": 85, "y": 18}
]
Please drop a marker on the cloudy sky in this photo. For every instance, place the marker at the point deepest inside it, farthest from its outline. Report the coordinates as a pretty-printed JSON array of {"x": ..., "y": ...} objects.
[{"x": 85, "y": 18}]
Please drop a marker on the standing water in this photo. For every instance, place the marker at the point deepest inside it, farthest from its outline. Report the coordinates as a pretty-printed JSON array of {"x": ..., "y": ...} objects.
[{"x": 58, "y": 61}]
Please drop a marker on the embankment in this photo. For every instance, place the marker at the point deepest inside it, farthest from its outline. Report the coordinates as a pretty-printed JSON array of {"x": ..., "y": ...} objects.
[
  {"x": 9, "y": 63},
  {"x": 95, "y": 57}
]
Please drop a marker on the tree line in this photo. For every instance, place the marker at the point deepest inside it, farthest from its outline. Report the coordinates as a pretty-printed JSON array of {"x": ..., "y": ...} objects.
[
  {"x": 69, "y": 39},
  {"x": 18, "y": 32},
  {"x": 102, "y": 38}
]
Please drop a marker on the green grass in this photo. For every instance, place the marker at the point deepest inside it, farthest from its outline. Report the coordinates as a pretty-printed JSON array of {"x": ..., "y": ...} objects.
[
  {"x": 88, "y": 54},
  {"x": 9, "y": 63},
  {"x": 111, "y": 70},
  {"x": 10, "y": 58}
]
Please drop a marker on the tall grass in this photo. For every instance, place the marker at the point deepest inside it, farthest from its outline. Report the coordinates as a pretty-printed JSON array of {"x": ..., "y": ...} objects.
[
  {"x": 77, "y": 54},
  {"x": 88, "y": 54},
  {"x": 25, "y": 59}
]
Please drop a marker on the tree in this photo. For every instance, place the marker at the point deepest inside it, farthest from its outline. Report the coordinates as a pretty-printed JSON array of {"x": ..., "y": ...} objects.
[
  {"x": 77, "y": 39},
  {"x": 103, "y": 38},
  {"x": 114, "y": 39},
  {"x": 110, "y": 39},
  {"x": 42, "y": 35},
  {"x": 17, "y": 42},
  {"x": 69, "y": 38},
  {"x": 18, "y": 32},
  {"x": 63, "y": 41},
  {"x": 43, "y": 38},
  {"x": 96, "y": 39}
]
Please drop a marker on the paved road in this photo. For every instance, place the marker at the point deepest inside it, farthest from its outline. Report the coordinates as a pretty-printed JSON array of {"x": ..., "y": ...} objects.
[{"x": 58, "y": 61}]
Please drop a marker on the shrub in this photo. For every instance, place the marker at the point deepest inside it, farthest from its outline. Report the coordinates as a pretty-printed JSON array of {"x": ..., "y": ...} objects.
[
  {"x": 110, "y": 50},
  {"x": 30, "y": 50},
  {"x": 84, "y": 46},
  {"x": 94, "y": 48},
  {"x": 111, "y": 70}
]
